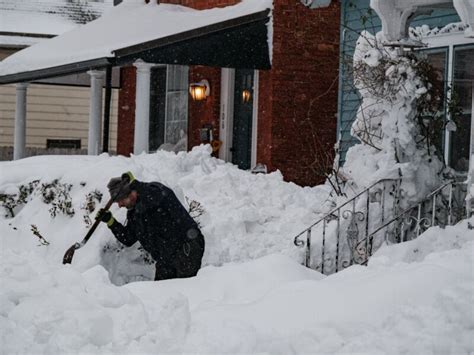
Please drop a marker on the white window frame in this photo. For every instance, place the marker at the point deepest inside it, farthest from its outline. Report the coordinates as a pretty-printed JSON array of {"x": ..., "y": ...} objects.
[
  {"x": 449, "y": 41},
  {"x": 253, "y": 160},
  {"x": 226, "y": 116},
  {"x": 226, "y": 120}
]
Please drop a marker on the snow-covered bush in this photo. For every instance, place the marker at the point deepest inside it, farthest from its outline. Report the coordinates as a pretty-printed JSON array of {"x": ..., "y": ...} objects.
[
  {"x": 396, "y": 92},
  {"x": 12, "y": 201},
  {"x": 58, "y": 195}
]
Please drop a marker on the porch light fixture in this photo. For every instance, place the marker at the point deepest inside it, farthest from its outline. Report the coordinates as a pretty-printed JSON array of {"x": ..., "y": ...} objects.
[
  {"x": 246, "y": 95},
  {"x": 199, "y": 91}
]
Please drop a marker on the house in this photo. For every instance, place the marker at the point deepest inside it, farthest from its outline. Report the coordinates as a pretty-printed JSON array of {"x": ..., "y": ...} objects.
[
  {"x": 288, "y": 120},
  {"x": 270, "y": 70},
  {"x": 57, "y": 108}
]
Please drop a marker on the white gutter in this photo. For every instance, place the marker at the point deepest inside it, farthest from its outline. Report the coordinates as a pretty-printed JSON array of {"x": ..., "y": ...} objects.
[{"x": 316, "y": 4}]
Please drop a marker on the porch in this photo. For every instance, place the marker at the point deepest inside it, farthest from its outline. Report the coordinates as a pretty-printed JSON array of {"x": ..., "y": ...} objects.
[{"x": 236, "y": 37}]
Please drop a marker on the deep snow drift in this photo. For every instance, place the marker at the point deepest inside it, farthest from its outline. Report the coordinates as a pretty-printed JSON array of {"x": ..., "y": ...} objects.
[
  {"x": 251, "y": 297},
  {"x": 245, "y": 215}
]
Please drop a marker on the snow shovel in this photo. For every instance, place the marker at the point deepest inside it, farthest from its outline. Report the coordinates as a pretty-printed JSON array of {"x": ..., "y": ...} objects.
[{"x": 67, "y": 259}]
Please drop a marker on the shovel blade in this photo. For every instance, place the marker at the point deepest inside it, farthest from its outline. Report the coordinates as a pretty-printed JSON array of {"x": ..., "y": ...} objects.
[{"x": 67, "y": 259}]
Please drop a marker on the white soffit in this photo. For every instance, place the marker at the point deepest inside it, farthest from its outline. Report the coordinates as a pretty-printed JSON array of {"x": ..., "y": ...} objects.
[
  {"x": 396, "y": 15},
  {"x": 315, "y": 4},
  {"x": 465, "y": 9}
]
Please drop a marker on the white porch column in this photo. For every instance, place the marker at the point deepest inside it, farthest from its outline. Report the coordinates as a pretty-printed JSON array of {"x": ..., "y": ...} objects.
[
  {"x": 95, "y": 112},
  {"x": 142, "y": 107},
  {"x": 20, "y": 122}
]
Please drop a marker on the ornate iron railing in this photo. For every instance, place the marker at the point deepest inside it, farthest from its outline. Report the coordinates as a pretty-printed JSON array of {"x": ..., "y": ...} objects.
[{"x": 352, "y": 231}]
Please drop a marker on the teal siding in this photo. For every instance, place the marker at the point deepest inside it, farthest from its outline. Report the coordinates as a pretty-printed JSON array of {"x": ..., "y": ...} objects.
[{"x": 354, "y": 19}]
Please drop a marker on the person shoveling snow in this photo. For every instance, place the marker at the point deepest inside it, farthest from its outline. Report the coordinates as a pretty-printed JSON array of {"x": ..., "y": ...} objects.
[{"x": 161, "y": 224}]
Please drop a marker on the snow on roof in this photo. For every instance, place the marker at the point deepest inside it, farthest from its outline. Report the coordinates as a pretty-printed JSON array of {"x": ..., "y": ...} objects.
[
  {"x": 51, "y": 17},
  {"x": 130, "y": 23},
  {"x": 19, "y": 41}
]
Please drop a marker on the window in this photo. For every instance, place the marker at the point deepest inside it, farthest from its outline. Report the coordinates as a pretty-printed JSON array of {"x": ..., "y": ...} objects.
[
  {"x": 453, "y": 63},
  {"x": 168, "y": 106},
  {"x": 463, "y": 79},
  {"x": 63, "y": 143},
  {"x": 176, "y": 122},
  {"x": 439, "y": 60}
]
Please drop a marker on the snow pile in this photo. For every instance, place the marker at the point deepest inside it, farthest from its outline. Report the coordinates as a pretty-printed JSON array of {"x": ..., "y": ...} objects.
[
  {"x": 245, "y": 215},
  {"x": 413, "y": 298},
  {"x": 391, "y": 87}
]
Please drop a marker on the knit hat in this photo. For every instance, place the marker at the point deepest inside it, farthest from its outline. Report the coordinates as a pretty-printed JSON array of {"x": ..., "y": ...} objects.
[{"x": 119, "y": 188}]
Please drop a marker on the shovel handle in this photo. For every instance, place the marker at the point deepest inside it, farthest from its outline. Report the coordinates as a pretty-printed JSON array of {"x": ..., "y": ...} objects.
[
  {"x": 67, "y": 259},
  {"x": 96, "y": 224}
]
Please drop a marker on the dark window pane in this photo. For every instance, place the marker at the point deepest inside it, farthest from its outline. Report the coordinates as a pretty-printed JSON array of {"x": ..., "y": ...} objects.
[
  {"x": 463, "y": 79},
  {"x": 63, "y": 143},
  {"x": 434, "y": 121},
  {"x": 157, "y": 107},
  {"x": 168, "y": 105}
]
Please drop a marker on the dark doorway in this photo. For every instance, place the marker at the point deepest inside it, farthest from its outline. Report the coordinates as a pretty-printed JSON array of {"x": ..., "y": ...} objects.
[{"x": 243, "y": 117}]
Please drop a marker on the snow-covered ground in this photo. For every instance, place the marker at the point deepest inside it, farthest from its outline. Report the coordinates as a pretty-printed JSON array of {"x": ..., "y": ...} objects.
[{"x": 251, "y": 296}]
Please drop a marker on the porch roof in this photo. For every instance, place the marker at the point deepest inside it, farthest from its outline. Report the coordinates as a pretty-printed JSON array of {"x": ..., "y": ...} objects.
[{"x": 233, "y": 36}]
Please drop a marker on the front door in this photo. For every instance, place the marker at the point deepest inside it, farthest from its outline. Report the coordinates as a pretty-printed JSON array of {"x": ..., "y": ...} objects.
[{"x": 243, "y": 117}]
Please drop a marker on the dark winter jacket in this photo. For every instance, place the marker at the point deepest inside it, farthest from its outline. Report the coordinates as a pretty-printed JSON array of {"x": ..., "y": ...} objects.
[{"x": 158, "y": 221}]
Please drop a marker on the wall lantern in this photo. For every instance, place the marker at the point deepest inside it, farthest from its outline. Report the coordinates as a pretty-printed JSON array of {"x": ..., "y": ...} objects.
[
  {"x": 199, "y": 91},
  {"x": 246, "y": 95}
]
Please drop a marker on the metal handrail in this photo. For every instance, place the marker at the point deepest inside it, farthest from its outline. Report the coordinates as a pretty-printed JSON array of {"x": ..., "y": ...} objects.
[
  {"x": 433, "y": 193},
  {"x": 297, "y": 243},
  {"x": 345, "y": 214},
  {"x": 405, "y": 211},
  {"x": 359, "y": 219}
]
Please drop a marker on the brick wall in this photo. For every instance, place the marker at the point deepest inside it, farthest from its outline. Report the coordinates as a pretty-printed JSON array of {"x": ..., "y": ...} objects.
[
  {"x": 126, "y": 111},
  {"x": 265, "y": 119},
  {"x": 298, "y": 126}
]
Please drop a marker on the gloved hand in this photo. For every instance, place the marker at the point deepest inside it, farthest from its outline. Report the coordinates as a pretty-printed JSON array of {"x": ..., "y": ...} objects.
[{"x": 105, "y": 216}]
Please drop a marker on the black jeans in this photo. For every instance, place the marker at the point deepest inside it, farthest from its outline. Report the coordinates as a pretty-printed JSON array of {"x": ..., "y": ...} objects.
[{"x": 186, "y": 263}]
